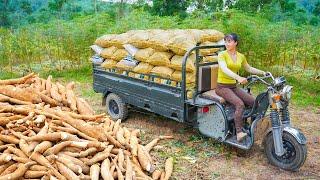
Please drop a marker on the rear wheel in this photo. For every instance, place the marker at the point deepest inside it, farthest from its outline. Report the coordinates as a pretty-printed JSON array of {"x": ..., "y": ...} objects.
[
  {"x": 294, "y": 156},
  {"x": 116, "y": 108}
]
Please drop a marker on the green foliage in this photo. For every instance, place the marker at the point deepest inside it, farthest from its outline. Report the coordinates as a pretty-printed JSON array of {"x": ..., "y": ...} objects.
[
  {"x": 251, "y": 5},
  {"x": 169, "y": 8}
]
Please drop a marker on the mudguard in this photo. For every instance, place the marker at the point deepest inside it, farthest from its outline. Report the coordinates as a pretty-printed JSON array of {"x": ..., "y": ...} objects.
[
  {"x": 293, "y": 131},
  {"x": 212, "y": 123}
]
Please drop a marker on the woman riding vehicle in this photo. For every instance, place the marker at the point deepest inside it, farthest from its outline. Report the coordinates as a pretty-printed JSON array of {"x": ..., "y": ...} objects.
[{"x": 230, "y": 61}]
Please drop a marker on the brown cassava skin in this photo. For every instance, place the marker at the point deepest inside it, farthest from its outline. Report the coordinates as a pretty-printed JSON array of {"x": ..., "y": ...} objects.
[
  {"x": 48, "y": 84},
  {"x": 55, "y": 136},
  {"x": 136, "y": 161},
  {"x": 43, "y": 146},
  {"x": 9, "y": 139},
  {"x": 116, "y": 127},
  {"x": 24, "y": 147},
  {"x": 48, "y": 99},
  {"x": 87, "y": 152},
  {"x": 9, "y": 170},
  {"x": 64, "y": 129},
  {"x": 168, "y": 168},
  {"x": 120, "y": 136},
  {"x": 129, "y": 169},
  {"x": 4, "y": 158},
  {"x": 66, "y": 172},
  {"x": 121, "y": 160},
  {"x": 156, "y": 174},
  {"x": 76, "y": 161},
  {"x": 67, "y": 162},
  {"x": 4, "y": 98},
  {"x": 19, "y": 172},
  {"x": 54, "y": 92},
  {"x": 94, "y": 172},
  {"x": 17, "y": 80},
  {"x": 34, "y": 174},
  {"x": 92, "y": 131},
  {"x": 83, "y": 107},
  {"x": 56, "y": 148},
  {"x": 134, "y": 145},
  {"x": 21, "y": 159},
  {"x": 105, "y": 170},
  {"x": 119, "y": 173},
  {"x": 5, "y": 166},
  {"x": 140, "y": 173},
  {"x": 86, "y": 117},
  {"x": 150, "y": 145},
  {"x": 100, "y": 156},
  {"x": 71, "y": 98},
  {"x": 62, "y": 92},
  {"x": 20, "y": 94},
  {"x": 6, "y": 114},
  {"x": 37, "y": 167},
  {"x": 27, "y": 118},
  {"x": 5, "y": 120}
]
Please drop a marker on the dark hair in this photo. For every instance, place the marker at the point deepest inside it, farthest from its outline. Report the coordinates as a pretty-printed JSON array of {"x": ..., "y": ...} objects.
[{"x": 232, "y": 36}]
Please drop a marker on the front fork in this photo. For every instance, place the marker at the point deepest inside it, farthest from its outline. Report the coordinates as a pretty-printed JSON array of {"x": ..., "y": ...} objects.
[{"x": 277, "y": 127}]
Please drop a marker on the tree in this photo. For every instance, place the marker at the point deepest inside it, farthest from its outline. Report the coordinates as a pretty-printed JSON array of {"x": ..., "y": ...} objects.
[
  {"x": 169, "y": 7},
  {"x": 316, "y": 9},
  {"x": 4, "y": 21},
  {"x": 208, "y": 5},
  {"x": 56, "y": 5},
  {"x": 251, "y": 5}
]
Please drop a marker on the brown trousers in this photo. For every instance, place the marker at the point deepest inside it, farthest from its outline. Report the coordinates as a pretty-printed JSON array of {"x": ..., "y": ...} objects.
[{"x": 237, "y": 97}]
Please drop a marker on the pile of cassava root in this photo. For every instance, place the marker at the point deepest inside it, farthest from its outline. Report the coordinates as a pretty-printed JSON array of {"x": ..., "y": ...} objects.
[{"x": 47, "y": 132}]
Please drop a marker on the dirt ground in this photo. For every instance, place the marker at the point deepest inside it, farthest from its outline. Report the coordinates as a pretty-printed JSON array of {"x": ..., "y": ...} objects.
[{"x": 198, "y": 157}]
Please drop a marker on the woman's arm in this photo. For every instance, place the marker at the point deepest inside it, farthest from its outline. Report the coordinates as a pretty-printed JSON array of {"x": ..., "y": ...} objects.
[
  {"x": 252, "y": 70},
  {"x": 227, "y": 71}
]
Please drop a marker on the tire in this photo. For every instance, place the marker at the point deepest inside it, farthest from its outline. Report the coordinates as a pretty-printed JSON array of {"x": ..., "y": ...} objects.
[
  {"x": 116, "y": 108},
  {"x": 294, "y": 156}
]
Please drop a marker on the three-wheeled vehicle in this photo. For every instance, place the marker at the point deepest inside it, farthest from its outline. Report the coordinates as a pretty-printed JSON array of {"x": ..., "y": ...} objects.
[{"x": 284, "y": 145}]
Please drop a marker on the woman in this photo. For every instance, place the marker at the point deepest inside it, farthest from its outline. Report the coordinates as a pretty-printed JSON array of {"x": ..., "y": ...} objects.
[{"x": 230, "y": 62}]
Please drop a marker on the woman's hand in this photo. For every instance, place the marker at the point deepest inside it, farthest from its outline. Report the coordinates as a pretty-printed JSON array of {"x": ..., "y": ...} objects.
[
  {"x": 266, "y": 73},
  {"x": 242, "y": 80}
]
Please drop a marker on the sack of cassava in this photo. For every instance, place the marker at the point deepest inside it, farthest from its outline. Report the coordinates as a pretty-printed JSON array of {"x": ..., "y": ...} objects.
[
  {"x": 210, "y": 51},
  {"x": 143, "y": 68},
  {"x": 181, "y": 44},
  {"x": 176, "y": 63},
  {"x": 160, "y": 41},
  {"x": 177, "y": 76},
  {"x": 105, "y": 40},
  {"x": 140, "y": 39},
  {"x": 108, "y": 52},
  {"x": 211, "y": 35},
  {"x": 162, "y": 71},
  {"x": 109, "y": 64},
  {"x": 160, "y": 59},
  {"x": 126, "y": 64},
  {"x": 119, "y": 54},
  {"x": 119, "y": 40},
  {"x": 143, "y": 54}
]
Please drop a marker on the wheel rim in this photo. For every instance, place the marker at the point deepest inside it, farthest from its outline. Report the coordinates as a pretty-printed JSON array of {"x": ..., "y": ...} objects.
[
  {"x": 289, "y": 154},
  {"x": 113, "y": 107}
]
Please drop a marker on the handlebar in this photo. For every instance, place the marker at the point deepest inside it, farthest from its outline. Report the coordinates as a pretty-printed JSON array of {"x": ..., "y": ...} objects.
[{"x": 253, "y": 78}]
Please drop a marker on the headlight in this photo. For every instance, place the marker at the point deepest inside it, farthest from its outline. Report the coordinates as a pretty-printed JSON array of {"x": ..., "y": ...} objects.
[{"x": 286, "y": 92}]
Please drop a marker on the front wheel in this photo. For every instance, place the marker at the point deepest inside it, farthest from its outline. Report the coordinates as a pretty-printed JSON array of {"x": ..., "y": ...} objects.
[{"x": 294, "y": 156}]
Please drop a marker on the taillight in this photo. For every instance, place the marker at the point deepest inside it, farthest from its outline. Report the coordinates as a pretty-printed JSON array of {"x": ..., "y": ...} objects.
[{"x": 205, "y": 109}]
